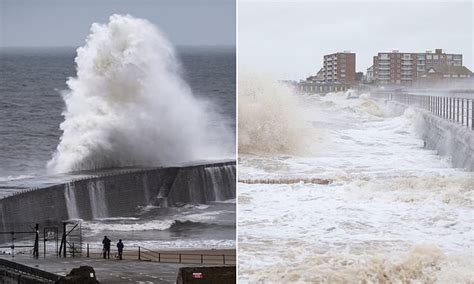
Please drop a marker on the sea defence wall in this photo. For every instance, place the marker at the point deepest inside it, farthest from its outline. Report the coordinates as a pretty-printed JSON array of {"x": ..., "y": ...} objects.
[
  {"x": 447, "y": 138},
  {"x": 119, "y": 194}
]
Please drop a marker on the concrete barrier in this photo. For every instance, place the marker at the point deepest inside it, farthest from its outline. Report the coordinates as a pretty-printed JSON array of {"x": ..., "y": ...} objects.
[
  {"x": 207, "y": 274},
  {"x": 12, "y": 272},
  {"x": 119, "y": 194},
  {"x": 447, "y": 138},
  {"x": 450, "y": 140}
]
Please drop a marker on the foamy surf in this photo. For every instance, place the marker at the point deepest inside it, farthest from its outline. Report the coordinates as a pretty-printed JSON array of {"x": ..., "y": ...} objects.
[
  {"x": 421, "y": 264},
  {"x": 388, "y": 197}
]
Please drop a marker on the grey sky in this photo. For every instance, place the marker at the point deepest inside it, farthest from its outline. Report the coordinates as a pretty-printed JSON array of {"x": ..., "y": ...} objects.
[
  {"x": 288, "y": 39},
  {"x": 67, "y": 22}
]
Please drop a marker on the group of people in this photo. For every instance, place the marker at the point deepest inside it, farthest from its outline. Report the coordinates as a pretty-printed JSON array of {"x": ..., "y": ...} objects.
[{"x": 106, "y": 248}]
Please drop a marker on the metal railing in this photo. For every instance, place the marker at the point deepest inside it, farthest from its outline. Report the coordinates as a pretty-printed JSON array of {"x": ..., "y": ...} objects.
[
  {"x": 458, "y": 110},
  {"x": 143, "y": 254},
  {"x": 21, "y": 235}
]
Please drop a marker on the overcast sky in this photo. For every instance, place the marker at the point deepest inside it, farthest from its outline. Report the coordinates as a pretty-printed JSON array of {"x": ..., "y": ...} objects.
[
  {"x": 288, "y": 39},
  {"x": 67, "y": 22}
]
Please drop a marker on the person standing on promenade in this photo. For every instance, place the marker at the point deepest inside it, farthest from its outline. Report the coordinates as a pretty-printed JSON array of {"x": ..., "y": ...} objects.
[
  {"x": 120, "y": 249},
  {"x": 106, "y": 248}
]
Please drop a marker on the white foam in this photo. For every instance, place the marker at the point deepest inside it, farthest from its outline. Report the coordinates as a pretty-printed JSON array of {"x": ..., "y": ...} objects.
[
  {"x": 270, "y": 118},
  {"x": 129, "y": 105},
  {"x": 387, "y": 195}
]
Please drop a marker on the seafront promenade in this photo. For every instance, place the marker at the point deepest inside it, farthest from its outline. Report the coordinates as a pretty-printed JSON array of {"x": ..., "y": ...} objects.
[{"x": 130, "y": 269}]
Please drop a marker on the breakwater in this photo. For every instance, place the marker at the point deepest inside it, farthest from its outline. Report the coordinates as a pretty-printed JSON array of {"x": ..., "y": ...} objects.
[{"x": 117, "y": 192}]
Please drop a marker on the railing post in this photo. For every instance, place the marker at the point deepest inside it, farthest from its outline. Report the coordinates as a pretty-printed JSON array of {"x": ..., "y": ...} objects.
[
  {"x": 63, "y": 241},
  {"x": 457, "y": 110},
  {"x": 449, "y": 108},
  {"x": 441, "y": 107},
  {"x": 472, "y": 115},
  {"x": 13, "y": 244},
  {"x": 73, "y": 250},
  {"x": 446, "y": 108},
  {"x": 438, "y": 106},
  {"x": 452, "y": 108},
  {"x": 139, "y": 256},
  {"x": 87, "y": 250},
  {"x": 467, "y": 113},
  {"x": 223, "y": 259},
  {"x": 36, "y": 245},
  {"x": 179, "y": 258},
  {"x": 202, "y": 259},
  {"x": 462, "y": 111},
  {"x": 159, "y": 257}
]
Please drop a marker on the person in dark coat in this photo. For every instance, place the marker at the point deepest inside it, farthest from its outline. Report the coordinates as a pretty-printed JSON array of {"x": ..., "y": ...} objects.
[
  {"x": 106, "y": 249},
  {"x": 120, "y": 249}
]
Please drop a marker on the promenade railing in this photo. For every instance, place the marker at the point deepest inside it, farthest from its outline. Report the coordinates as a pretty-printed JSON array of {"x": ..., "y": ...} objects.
[
  {"x": 456, "y": 109},
  {"x": 145, "y": 254}
]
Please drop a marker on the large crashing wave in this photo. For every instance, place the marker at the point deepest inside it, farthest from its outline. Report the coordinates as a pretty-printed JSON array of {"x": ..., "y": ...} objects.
[
  {"x": 270, "y": 119},
  {"x": 128, "y": 104}
]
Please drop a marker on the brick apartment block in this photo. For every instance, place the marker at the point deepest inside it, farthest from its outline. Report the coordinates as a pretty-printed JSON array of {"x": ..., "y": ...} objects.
[
  {"x": 405, "y": 68},
  {"x": 339, "y": 67}
]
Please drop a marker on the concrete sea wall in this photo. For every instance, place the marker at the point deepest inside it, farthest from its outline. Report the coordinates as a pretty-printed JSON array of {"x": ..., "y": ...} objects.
[
  {"x": 119, "y": 194},
  {"x": 447, "y": 138}
]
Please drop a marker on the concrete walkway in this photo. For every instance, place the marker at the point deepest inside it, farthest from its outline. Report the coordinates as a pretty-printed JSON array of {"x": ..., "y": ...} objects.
[{"x": 107, "y": 271}]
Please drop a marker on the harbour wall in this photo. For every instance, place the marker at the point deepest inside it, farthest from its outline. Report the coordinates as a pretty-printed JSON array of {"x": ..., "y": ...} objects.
[{"x": 119, "y": 194}]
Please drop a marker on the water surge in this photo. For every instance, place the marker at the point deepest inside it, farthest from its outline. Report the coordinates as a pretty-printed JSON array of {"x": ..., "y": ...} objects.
[
  {"x": 270, "y": 118},
  {"x": 129, "y": 105}
]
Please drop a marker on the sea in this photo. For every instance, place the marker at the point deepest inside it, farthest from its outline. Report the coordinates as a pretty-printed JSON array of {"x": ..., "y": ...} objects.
[
  {"x": 32, "y": 81},
  {"x": 362, "y": 202}
]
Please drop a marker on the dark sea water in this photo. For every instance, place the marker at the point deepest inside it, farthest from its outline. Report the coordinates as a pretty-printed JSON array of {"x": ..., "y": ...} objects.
[{"x": 31, "y": 104}]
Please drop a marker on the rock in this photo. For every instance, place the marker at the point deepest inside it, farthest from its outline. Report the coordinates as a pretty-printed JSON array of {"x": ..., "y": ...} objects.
[{"x": 81, "y": 275}]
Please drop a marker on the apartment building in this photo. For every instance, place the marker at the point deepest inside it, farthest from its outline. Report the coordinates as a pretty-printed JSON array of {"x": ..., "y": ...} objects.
[
  {"x": 339, "y": 67},
  {"x": 405, "y": 68}
]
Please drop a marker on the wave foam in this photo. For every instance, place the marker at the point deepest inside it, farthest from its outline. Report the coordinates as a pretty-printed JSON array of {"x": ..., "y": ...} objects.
[
  {"x": 422, "y": 264},
  {"x": 129, "y": 106},
  {"x": 270, "y": 119}
]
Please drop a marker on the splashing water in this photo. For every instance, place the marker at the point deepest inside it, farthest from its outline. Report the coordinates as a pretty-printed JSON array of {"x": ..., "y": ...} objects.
[
  {"x": 129, "y": 106},
  {"x": 391, "y": 212},
  {"x": 270, "y": 119}
]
